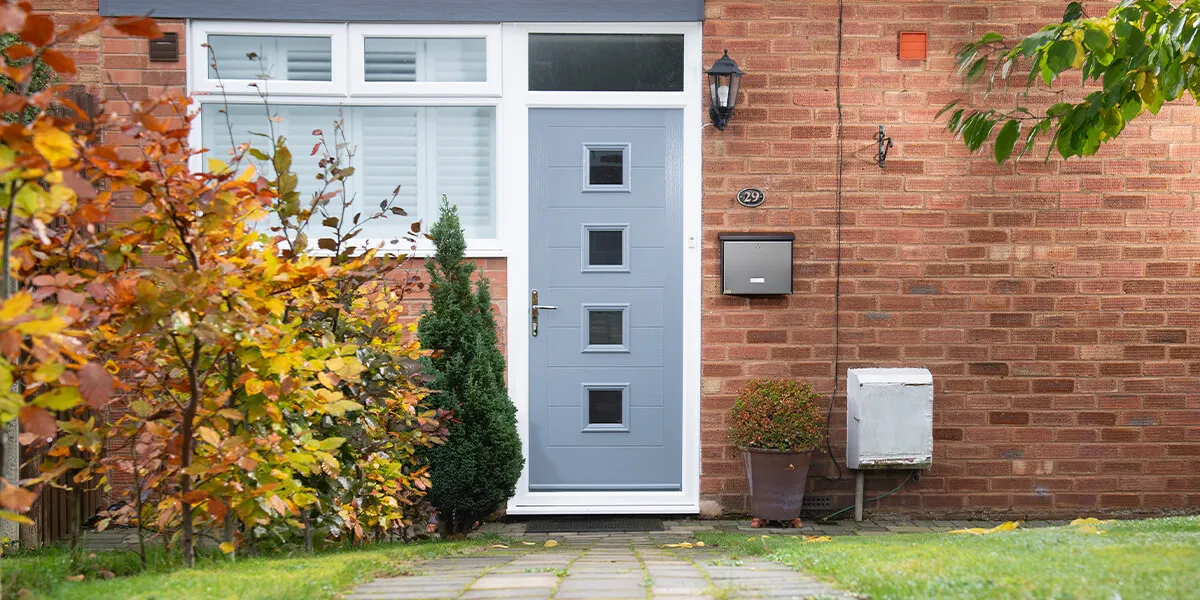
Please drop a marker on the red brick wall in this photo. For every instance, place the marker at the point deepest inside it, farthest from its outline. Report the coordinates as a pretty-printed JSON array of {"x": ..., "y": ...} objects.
[{"x": 1054, "y": 302}]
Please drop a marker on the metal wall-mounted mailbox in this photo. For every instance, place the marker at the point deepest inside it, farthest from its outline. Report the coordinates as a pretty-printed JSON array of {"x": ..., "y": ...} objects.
[{"x": 755, "y": 264}]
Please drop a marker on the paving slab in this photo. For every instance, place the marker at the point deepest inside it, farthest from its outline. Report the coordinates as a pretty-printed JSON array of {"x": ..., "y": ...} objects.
[
  {"x": 602, "y": 566},
  {"x": 506, "y": 581}
]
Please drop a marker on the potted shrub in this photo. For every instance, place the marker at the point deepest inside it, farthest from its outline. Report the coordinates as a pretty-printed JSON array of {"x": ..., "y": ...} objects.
[{"x": 777, "y": 425}]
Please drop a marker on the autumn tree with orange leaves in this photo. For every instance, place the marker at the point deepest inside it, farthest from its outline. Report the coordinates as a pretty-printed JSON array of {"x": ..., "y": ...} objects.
[{"x": 251, "y": 372}]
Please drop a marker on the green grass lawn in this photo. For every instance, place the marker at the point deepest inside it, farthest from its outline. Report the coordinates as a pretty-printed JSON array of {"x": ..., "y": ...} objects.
[
  {"x": 1151, "y": 559},
  {"x": 44, "y": 573}
]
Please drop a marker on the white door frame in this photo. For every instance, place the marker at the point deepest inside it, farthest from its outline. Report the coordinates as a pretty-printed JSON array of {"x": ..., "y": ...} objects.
[{"x": 515, "y": 225}]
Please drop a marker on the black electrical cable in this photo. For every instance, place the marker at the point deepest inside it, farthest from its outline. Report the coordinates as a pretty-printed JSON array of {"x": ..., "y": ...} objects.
[
  {"x": 879, "y": 497},
  {"x": 837, "y": 277}
]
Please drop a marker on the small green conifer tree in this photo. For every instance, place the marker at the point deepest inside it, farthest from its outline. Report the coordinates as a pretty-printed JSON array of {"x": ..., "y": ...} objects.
[{"x": 475, "y": 472}]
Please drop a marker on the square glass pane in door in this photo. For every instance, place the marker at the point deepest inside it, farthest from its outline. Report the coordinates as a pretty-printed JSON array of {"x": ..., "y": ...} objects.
[
  {"x": 606, "y": 328},
  {"x": 606, "y": 166},
  {"x": 606, "y": 248},
  {"x": 605, "y": 407}
]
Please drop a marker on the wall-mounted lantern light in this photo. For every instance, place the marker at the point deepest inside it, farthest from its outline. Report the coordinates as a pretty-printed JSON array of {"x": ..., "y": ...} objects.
[{"x": 724, "y": 78}]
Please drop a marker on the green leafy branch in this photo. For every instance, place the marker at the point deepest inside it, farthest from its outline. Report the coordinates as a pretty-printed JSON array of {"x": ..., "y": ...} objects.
[{"x": 1141, "y": 55}]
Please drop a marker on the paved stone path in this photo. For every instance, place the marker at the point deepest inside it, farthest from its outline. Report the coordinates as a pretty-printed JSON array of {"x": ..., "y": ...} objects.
[
  {"x": 126, "y": 539},
  {"x": 598, "y": 566},
  {"x": 686, "y": 527}
]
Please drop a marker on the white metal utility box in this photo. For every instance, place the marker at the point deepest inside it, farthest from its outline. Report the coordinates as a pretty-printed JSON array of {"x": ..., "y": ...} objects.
[{"x": 889, "y": 419}]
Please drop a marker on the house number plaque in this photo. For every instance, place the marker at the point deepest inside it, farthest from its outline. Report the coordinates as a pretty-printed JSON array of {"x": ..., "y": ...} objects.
[{"x": 751, "y": 197}]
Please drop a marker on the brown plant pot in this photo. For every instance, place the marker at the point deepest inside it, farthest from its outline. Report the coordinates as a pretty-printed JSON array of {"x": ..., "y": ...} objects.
[{"x": 776, "y": 482}]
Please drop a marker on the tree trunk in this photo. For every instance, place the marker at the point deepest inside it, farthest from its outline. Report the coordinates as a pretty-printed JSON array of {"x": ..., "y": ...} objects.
[
  {"x": 137, "y": 503},
  {"x": 227, "y": 532},
  {"x": 10, "y": 442},
  {"x": 74, "y": 515},
  {"x": 308, "y": 537},
  {"x": 187, "y": 538},
  {"x": 141, "y": 532},
  {"x": 10, "y": 470}
]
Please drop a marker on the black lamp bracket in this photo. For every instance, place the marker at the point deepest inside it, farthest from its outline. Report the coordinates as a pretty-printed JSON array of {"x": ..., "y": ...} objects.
[{"x": 885, "y": 144}]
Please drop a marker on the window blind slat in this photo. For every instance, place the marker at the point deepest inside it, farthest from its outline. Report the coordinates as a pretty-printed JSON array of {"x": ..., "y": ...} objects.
[
  {"x": 419, "y": 59},
  {"x": 395, "y": 146},
  {"x": 275, "y": 57},
  {"x": 390, "y": 158},
  {"x": 464, "y": 164}
]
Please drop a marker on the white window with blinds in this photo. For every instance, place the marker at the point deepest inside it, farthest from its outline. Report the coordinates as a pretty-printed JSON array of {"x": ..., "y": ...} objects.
[
  {"x": 452, "y": 60},
  {"x": 238, "y": 57},
  {"x": 418, "y": 104}
]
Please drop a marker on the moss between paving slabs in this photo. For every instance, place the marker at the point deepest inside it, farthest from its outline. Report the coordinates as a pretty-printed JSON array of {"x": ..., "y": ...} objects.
[
  {"x": 1151, "y": 559},
  {"x": 44, "y": 574}
]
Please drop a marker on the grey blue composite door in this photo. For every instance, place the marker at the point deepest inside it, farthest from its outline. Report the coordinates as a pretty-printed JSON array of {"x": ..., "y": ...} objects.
[{"x": 606, "y": 252}]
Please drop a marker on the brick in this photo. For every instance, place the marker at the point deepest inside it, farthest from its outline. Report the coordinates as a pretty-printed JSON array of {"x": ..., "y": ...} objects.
[
  {"x": 1008, "y": 418},
  {"x": 763, "y": 336},
  {"x": 1011, "y": 320},
  {"x": 1167, "y": 336},
  {"x": 988, "y": 369},
  {"x": 1097, "y": 418},
  {"x": 1051, "y": 299}
]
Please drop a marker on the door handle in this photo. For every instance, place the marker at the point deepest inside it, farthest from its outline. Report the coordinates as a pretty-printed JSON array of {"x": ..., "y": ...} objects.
[{"x": 534, "y": 307}]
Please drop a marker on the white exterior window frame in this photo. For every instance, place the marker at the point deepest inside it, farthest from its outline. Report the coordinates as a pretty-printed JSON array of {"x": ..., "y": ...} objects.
[
  {"x": 198, "y": 69},
  {"x": 360, "y": 86},
  {"x": 320, "y": 93}
]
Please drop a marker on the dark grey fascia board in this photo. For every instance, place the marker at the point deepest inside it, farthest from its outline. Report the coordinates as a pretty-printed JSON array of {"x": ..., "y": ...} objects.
[{"x": 410, "y": 11}]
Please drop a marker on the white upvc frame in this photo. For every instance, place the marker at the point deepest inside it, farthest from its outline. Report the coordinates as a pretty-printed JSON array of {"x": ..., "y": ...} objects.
[
  {"x": 208, "y": 91},
  {"x": 518, "y": 100},
  {"x": 198, "y": 69},
  {"x": 358, "y": 68},
  {"x": 512, "y": 207}
]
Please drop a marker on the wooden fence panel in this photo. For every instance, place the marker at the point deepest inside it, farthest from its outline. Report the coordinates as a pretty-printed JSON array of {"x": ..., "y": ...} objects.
[{"x": 51, "y": 512}]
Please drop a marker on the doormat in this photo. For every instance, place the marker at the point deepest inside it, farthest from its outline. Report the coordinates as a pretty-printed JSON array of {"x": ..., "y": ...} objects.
[{"x": 593, "y": 524}]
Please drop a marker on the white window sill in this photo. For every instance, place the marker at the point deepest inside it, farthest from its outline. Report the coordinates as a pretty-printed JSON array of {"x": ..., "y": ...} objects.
[{"x": 474, "y": 250}]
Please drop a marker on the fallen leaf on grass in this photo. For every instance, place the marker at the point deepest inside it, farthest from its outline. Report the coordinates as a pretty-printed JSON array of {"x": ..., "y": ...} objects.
[
  {"x": 1090, "y": 521},
  {"x": 497, "y": 546},
  {"x": 550, "y": 543},
  {"x": 1009, "y": 526},
  {"x": 1090, "y": 525},
  {"x": 810, "y": 539},
  {"x": 529, "y": 543}
]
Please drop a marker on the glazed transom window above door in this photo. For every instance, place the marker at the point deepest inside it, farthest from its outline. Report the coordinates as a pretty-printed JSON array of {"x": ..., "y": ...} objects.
[
  {"x": 416, "y": 110},
  {"x": 605, "y": 62}
]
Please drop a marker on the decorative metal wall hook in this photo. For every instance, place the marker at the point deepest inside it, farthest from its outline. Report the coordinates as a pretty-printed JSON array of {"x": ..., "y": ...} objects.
[{"x": 885, "y": 144}]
